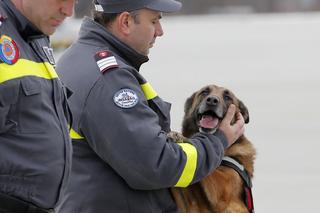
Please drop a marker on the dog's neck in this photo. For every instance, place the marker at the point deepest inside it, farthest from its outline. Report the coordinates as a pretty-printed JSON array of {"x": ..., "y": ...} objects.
[
  {"x": 244, "y": 152},
  {"x": 242, "y": 147}
]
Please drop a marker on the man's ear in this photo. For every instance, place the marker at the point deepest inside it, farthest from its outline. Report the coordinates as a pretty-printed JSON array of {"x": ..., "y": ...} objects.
[{"x": 124, "y": 22}]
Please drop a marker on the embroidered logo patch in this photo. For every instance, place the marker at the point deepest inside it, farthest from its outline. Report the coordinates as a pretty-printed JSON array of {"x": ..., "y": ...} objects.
[
  {"x": 125, "y": 98},
  {"x": 105, "y": 60},
  {"x": 9, "y": 51}
]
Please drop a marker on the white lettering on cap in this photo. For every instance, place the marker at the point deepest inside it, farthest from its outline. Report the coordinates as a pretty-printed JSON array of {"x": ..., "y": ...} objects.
[{"x": 98, "y": 8}]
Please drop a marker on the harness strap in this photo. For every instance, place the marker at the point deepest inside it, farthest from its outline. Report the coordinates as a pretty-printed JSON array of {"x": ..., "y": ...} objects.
[
  {"x": 232, "y": 163},
  {"x": 239, "y": 168}
]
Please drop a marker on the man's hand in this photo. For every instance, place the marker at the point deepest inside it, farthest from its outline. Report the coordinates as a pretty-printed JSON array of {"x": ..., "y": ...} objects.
[
  {"x": 234, "y": 131},
  {"x": 177, "y": 137}
]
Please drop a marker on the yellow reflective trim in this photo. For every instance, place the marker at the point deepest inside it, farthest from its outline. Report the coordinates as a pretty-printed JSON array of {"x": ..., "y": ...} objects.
[
  {"x": 24, "y": 68},
  {"x": 190, "y": 167},
  {"x": 75, "y": 135},
  {"x": 148, "y": 91}
]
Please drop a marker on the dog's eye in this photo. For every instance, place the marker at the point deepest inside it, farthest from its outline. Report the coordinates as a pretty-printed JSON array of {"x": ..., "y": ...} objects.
[
  {"x": 227, "y": 96},
  {"x": 204, "y": 93}
]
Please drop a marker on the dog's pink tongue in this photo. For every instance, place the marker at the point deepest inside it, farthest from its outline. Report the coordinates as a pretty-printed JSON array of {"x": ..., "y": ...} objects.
[{"x": 208, "y": 122}]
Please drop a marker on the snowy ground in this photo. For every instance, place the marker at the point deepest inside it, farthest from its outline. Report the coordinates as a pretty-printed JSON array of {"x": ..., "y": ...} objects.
[{"x": 272, "y": 63}]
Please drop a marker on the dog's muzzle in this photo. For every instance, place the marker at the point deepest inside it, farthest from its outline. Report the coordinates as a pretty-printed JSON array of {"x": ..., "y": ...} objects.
[{"x": 210, "y": 113}]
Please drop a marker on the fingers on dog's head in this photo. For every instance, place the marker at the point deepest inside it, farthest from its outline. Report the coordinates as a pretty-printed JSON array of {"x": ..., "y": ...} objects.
[{"x": 230, "y": 98}]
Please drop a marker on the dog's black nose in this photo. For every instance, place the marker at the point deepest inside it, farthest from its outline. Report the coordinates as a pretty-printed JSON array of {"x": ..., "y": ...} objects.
[{"x": 212, "y": 100}]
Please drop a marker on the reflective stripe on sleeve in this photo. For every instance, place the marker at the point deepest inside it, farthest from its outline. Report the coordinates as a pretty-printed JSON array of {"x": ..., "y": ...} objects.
[
  {"x": 190, "y": 167},
  {"x": 148, "y": 91},
  {"x": 24, "y": 68},
  {"x": 75, "y": 135}
]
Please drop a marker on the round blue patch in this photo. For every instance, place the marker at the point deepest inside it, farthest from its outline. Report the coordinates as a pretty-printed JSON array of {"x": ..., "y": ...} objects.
[{"x": 125, "y": 98}]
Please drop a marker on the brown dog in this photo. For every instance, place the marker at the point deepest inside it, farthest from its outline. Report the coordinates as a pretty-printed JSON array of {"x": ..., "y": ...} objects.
[{"x": 225, "y": 190}]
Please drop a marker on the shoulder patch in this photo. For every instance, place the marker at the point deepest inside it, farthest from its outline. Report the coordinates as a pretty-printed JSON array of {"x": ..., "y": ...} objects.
[
  {"x": 105, "y": 60},
  {"x": 9, "y": 51},
  {"x": 125, "y": 98}
]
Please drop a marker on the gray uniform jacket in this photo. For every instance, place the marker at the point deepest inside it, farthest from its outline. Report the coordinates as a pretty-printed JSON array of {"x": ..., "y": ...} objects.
[
  {"x": 123, "y": 161},
  {"x": 35, "y": 147}
]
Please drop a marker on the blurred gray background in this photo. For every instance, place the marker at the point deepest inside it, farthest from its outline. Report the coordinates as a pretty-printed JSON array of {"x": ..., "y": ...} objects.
[{"x": 227, "y": 6}]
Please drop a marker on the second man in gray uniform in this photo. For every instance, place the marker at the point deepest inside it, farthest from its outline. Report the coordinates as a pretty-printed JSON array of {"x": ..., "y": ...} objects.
[{"x": 123, "y": 160}]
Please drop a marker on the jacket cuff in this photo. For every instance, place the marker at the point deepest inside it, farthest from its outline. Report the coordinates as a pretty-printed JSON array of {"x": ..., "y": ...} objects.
[{"x": 223, "y": 139}]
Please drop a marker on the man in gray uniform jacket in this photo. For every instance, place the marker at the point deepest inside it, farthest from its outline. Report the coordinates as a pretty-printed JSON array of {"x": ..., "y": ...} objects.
[
  {"x": 123, "y": 161},
  {"x": 35, "y": 147}
]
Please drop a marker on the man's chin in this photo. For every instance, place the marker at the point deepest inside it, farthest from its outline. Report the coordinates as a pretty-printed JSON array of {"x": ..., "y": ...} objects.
[
  {"x": 48, "y": 30},
  {"x": 145, "y": 53}
]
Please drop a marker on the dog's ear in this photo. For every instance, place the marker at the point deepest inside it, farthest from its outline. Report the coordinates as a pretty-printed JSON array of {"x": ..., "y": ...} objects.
[
  {"x": 244, "y": 111},
  {"x": 189, "y": 126},
  {"x": 188, "y": 103}
]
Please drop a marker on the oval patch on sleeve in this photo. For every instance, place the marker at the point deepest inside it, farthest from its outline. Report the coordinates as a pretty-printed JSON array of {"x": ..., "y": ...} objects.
[{"x": 125, "y": 98}]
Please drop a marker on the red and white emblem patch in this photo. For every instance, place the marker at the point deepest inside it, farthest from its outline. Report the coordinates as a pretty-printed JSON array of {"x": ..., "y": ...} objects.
[{"x": 105, "y": 60}]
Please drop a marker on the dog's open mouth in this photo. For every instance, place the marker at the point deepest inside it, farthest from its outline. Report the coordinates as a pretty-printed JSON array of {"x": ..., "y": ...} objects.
[{"x": 208, "y": 122}]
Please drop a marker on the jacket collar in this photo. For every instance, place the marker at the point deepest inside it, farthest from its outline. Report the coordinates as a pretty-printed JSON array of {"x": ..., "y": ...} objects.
[
  {"x": 100, "y": 36},
  {"x": 22, "y": 24}
]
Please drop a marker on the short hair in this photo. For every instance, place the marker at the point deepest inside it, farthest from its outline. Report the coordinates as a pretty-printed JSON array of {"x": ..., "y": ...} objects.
[{"x": 106, "y": 19}]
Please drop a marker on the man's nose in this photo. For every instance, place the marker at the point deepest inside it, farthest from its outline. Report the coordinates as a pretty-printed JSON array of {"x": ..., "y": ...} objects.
[{"x": 159, "y": 30}]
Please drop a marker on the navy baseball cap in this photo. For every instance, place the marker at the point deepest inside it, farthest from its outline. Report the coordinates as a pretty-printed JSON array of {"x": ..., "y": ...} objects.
[{"x": 118, "y": 6}]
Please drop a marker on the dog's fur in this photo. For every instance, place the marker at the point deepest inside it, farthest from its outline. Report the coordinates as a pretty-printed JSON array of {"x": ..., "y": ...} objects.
[{"x": 222, "y": 190}]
